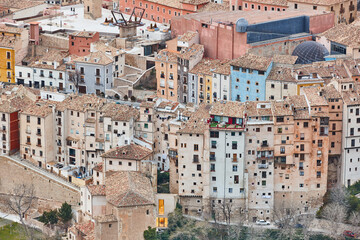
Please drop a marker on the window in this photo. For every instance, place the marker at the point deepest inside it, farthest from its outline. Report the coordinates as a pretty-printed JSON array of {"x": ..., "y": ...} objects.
[
  {"x": 306, "y": 124},
  {"x": 235, "y": 168},
  {"x": 212, "y": 167},
  {"x": 234, "y": 145},
  {"x": 196, "y": 147}
]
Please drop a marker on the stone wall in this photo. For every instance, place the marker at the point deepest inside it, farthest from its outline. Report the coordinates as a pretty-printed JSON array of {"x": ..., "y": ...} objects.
[
  {"x": 50, "y": 41},
  {"x": 50, "y": 193}
]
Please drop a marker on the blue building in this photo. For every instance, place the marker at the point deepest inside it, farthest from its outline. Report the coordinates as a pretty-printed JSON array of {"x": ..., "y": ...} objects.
[{"x": 248, "y": 78}]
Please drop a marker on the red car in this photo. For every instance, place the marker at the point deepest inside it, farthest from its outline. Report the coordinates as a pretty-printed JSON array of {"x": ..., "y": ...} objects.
[{"x": 349, "y": 234}]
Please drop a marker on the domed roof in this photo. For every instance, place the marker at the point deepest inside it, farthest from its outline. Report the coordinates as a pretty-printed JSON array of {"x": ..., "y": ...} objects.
[
  {"x": 241, "y": 25},
  {"x": 309, "y": 52}
]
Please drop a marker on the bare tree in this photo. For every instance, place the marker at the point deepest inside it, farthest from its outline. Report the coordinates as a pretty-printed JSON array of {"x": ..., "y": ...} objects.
[
  {"x": 340, "y": 195},
  {"x": 21, "y": 200},
  {"x": 286, "y": 218},
  {"x": 335, "y": 213},
  {"x": 75, "y": 78},
  {"x": 354, "y": 219}
]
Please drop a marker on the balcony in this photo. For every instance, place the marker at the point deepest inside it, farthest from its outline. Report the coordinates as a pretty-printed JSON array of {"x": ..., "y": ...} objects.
[
  {"x": 38, "y": 133},
  {"x": 195, "y": 160},
  {"x": 212, "y": 158},
  {"x": 263, "y": 166},
  {"x": 28, "y": 143},
  {"x": 38, "y": 145},
  {"x": 342, "y": 10},
  {"x": 42, "y": 75},
  {"x": 28, "y": 131},
  {"x": 3, "y": 119},
  {"x": 162, "y": 75},
  {"x": 351, "y": 7},
  {"x": 264, "y": 145}
]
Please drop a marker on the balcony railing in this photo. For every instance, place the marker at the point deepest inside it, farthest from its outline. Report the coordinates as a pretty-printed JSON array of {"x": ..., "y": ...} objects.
[
  {"x": 28, "y": 131},
  {"x": 212, "y": 158},
  {"x": 3, "y": 119},
  {"x": 262, "y": 166},
  {"x": 342, "y": 10},
  {"x": 351, "y": 7}
]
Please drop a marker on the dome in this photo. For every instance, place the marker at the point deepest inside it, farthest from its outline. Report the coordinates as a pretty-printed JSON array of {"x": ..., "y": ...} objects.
[
  {"x": 241, "y": 25},
  {"x": 309, "y": 52}
]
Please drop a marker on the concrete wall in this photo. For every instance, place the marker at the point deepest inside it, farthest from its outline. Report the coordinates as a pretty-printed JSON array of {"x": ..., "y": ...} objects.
[
  {"x": 135, "y": 61},
  {"x": 52, "y": 193}
]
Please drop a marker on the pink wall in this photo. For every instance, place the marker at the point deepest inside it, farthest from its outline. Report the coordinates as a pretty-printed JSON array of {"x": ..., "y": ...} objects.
[{"x": 319, "y": 24}]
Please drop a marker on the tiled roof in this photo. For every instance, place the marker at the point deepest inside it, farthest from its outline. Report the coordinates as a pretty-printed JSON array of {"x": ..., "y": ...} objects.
[
  {"x": 131, "y": 151},
  {"x": 252, "y": 109},
  {"x": 205, "y": 66},
  {"x": 83, "y": 34},
  {"x": 128, "y": 188},
  {"x": 189, "y": 52},
  {"x": 223, "y": 68},
  {"x": 14, "y": 103},
  {"x": 280, "y": 108},
  {"x": 97, "y": 190},
  {"x": 171, "y": 105},
  {"x": 82, "y": 103},
  {"x": 99, "y": 167},
  {"x": 281, "y": 74},
  {"x": 118, "y": 112},
  {"x": 147, "y": 104},
  {"x": 98, "y": 57},
  {"x": 252, "y": 61},
  {"x": 330, "y": 92},
  {"x": 86, "y": 228},
  {"x": 167, "y": 55},
  {"x": 7, "y": 41},
  {"x": 105, "y": 218},
  {"x": 7, "y": 29},
  {"x": 198, "y": 122},
  {"x": 354, "y": 66},
  {"x": 103, "y": 47},
  {"x": 213, "y": 7},
  {"x": 345, "y": 34},
  {"x": 284, "y": 59},
  {"x": 194, "y": 2},
  {"x": 187, "y": 36},
  {"x": 23, "y": 4},
  {"x": 39, "y": 109},
  {"x": 313, "y": 96},
  {"x": 228, "y": 109},
  {"x": 351, "y": 98}
]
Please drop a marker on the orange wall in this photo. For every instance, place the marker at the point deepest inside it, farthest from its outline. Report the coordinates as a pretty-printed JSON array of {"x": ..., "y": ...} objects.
[{"x": 81, "y": 45}]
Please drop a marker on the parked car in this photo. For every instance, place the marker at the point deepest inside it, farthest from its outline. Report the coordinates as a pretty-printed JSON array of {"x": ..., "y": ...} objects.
[
  {"x": 298, "y": 225},
  {"x": 349, "y": 234},
  {"x": 262, "y": 222}
]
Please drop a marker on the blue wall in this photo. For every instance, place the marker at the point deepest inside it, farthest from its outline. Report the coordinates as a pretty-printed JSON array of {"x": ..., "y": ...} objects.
[
  {"x": 277, "y": 29},
  {"x": 240, "y": 88}
]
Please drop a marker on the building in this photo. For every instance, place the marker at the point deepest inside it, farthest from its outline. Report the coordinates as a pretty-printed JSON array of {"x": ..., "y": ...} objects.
[
  {"x": 260, "y": 5},
  {"x": 221, "y": 81},
  {"x": 344, "y": 11},
  {"x": 229, "y": 35},
  {"x": 92, "y": 9},
  {"x": 96, "y": 73},
  {"x": 37, "y": 134},
  {"x": 161, "y": 12},
  {"x": 80, "y": 42},
  {"x": 248, "y": 78}
]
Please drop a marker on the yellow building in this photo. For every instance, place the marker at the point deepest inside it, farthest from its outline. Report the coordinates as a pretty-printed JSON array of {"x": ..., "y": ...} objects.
[
  {"x": 7, "y": 59},
  {"x": 204, "y": 73}
]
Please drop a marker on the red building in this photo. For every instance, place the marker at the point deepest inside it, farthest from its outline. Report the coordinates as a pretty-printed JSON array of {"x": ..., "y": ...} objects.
[
  {"x": 79, "y": 42},
  {"x": 260, "y": 5},
  {"x": 162, "y": 11},
  {"x": 231, "y": 34}
]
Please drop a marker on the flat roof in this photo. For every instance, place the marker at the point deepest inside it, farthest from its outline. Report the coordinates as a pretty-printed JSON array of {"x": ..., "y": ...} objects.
[{"x": 253, "y": 17}]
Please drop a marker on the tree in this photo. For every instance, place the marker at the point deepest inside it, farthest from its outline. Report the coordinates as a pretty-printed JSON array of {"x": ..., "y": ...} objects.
[
  {"x": 21, "y": 200},
  {"x": 335, "y": 214},
  {"x": 65, "y": 213},
  {"x": 75, "y": 78},
  {"x": 150, "y": 234}
]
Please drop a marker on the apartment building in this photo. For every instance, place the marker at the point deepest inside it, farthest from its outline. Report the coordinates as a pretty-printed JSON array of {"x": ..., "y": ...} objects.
[
  {"x": 119, "y": 124},
  {"x": 37, "y": 133},
  {"x": 193, "y": 161},
  {"x": 259, "y": 155},
  {"x": 221, "y": 81},
  {"x": 248, "y": 77},
  {"x": 48, "y": 70},
  {"x": 80, "y": 42},
  {"x": 228, "y": 178}
]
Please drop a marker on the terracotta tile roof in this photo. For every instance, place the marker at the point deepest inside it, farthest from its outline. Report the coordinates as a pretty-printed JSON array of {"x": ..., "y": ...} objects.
[
  {"x": 252, "y": 61},
  {"x": 345, "y": 34},
  {"x": 297, "y": 101},
  {"x": 82, "y": 103},
  {"x": 281, "y": 74},
  {"x": 83, "y": 34},
  {"x": 228, "y": 109},
  {"x": 14, "y": 103},
  {"x": 351, "y": 98},
  {"x": 280, "y": 108},
  {"x": 330, "y": 91},
  {"x": 97, "y": 190},
  {"x": 194, "y": 2},
  {"x": 284, "y": 59},
  {"x": 165, "y": 104},
  {"x": 187, "y": 36},
  {"x": 103, "y": 47},
  {"x": 223, "y": 68},
  {"x": 198, "y": 122},
  {"x": 166, "y": 55},
  {"x": 99, "y": 167},
  {"x": 99, "y": 58},
  {"x": 118, "y": 112},
  {"x": 353, "y": 65},
  {"x": 7, "y": 41},
  {"x": 86, "y": 228},
  {"x": 39, "y": 109},
  {"x": 313, "y": 96},
  {"x": 20, "y": 4},
  {"x": 213, "y": 7},
  {"x": 7, "y": 29},
  {"x": 190, "y": 52},
  {"x": 131, "y": 151},
  {"x": 252, "y": 109},
  {"x": 205, "y": 66},
  {"x": 128, "y": 188}
]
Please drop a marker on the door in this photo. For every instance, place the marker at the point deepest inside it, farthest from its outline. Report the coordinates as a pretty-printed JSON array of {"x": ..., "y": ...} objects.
[
  {"x": 40, "y": 163},
  {"x": 61, "y": 87},
  {"x": 82, "y": 89}
]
